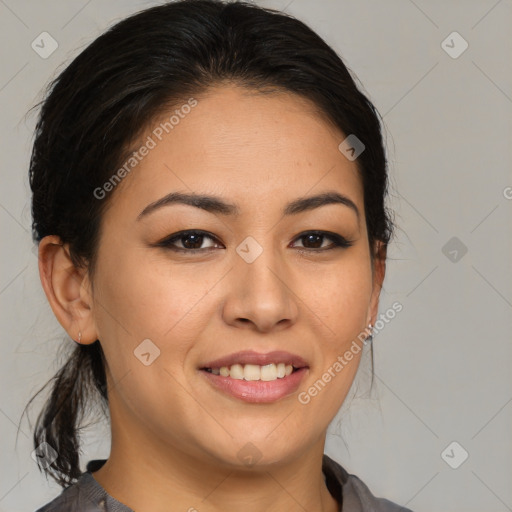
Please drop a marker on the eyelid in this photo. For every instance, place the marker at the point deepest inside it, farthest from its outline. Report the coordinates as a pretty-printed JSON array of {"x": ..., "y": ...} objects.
[
  {"x": 339, "y": 241},
  {"x": 166, "y": 242}
]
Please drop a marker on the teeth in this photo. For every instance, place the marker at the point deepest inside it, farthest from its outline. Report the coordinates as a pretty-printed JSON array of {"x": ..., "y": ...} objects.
[
  {"x": 268, "y": 372},
  {"x": 235, "y": 372}
]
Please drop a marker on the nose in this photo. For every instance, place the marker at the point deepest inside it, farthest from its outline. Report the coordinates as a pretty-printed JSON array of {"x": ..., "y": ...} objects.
[{"x": 260, "y": 294}]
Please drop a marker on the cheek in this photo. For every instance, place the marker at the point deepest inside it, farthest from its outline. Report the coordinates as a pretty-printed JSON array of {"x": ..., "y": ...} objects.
[
  {"x": 137, "y": 300},
  {"x": 341, "y": 302},
  {"x": 340, "y": 295},
  {"x": 146, "y": 297}
]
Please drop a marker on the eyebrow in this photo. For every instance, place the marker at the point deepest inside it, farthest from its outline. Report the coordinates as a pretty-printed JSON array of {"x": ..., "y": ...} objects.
[{"x": 214, "y": 204}]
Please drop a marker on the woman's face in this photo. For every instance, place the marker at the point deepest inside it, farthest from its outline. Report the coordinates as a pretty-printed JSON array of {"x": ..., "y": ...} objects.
[{"x": 252, "y": 280}]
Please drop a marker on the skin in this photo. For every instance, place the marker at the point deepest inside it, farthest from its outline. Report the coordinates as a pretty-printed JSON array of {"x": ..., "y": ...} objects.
[{"x": 176, "y": 439}]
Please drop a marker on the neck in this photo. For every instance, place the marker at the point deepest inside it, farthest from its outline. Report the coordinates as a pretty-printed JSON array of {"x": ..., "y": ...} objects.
[{"x": 148, "y": 476}]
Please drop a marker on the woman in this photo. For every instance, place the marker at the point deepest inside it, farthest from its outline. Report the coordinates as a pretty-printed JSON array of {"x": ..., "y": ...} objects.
[{"x": 208, "y": 198}]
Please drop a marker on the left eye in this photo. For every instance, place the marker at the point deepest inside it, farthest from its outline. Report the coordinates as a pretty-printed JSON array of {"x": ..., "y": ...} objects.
[
  {"x": 313, "y": 237},
  {"x": 192, "y": 241}
]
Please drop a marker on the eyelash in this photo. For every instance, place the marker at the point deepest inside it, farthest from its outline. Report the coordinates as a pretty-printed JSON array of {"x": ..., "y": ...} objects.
[{"x": 338, "y": 241}]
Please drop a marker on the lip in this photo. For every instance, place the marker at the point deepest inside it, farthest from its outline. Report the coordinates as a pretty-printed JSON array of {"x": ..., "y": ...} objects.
[
  {"x": 257, "y": 391},
  {"x": 252, "y": 357}
]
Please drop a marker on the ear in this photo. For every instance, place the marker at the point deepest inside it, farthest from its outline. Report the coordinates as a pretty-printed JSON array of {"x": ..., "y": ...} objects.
[
  {"x": 67, "y": 289},
  {"x": 378, "y": 272}
]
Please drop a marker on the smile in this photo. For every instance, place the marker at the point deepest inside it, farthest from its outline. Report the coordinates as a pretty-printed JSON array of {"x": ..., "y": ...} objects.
[
  {"x": 253, "y": 372},
  {"x": 256, "y": 390}
]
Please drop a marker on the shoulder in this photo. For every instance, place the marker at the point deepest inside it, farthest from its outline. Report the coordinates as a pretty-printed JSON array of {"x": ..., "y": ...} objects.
[
  {"x": 75, "y": 498},
  {"x": 85, "y": 495},
  {"x": 356, "y": 496}
]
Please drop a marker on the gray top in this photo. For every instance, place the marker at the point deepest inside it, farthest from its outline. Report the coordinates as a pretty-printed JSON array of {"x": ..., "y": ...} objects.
[{"x": 87, "y": 495}]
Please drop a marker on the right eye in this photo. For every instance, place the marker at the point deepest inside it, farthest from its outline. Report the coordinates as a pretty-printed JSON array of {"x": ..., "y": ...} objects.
[{"x": 190, "y": 240}]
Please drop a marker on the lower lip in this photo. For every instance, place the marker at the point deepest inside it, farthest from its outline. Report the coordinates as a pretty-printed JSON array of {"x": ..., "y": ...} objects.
[{"x": 257, "y": 391}]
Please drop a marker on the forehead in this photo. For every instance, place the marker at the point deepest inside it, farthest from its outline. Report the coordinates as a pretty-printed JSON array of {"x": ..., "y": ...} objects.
[{"x": 251, "y": 148}]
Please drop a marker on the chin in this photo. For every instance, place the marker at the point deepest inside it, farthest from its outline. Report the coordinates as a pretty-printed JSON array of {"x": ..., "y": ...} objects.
[{"x": 254, "y": 451}]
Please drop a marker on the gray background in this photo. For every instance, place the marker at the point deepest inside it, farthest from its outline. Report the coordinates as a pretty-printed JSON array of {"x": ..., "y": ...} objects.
[{"x": 443, "y": 363}]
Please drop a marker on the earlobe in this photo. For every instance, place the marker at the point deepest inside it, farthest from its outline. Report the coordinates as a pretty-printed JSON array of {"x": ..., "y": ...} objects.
[{"x": 67, "y": 289}]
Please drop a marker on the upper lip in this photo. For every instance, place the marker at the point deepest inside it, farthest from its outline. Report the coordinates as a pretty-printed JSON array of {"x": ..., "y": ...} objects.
[{"x": 252, "y": 357}]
